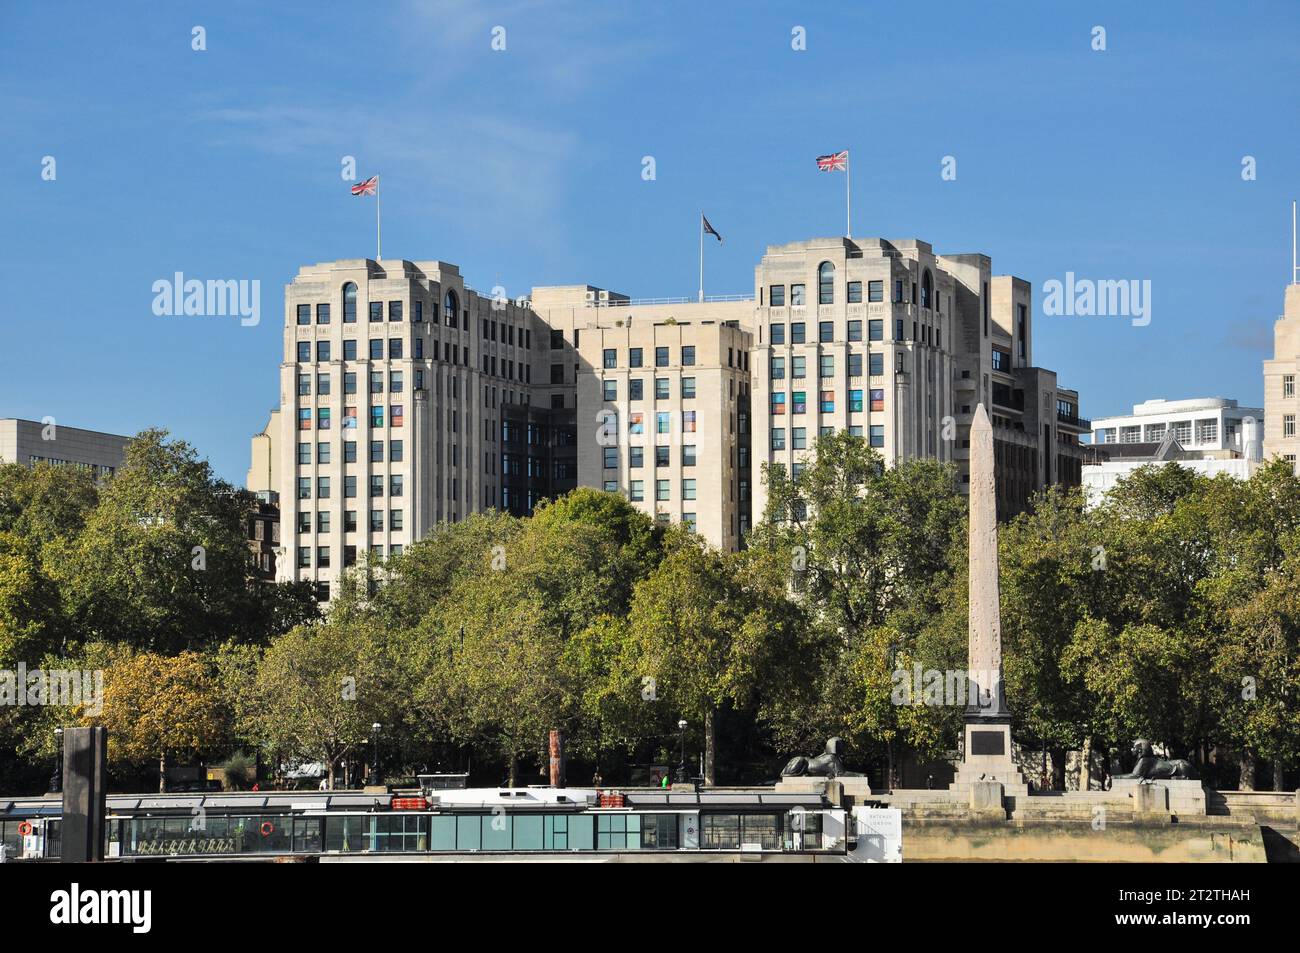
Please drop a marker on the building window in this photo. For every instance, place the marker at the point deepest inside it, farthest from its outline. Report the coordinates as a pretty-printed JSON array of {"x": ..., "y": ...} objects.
[
  {"x": 778, "y": 404},
  {"x": 634, "y": 423},
  {"x": 778, "y": 334},
  {"x": 798, "y": 402},
  {"x": 688, "y": 489},
  {"x": 826, "y": 366},
  {"x": 322, "y": 488},
  {"x": 661, "y": 357},
  {"x": 395, "y": 519},
  {"x": 776, "y": 296},
  {"x": 662, "y": 489},
  {"x": 828, "y": 402},
  {"x": 395, "y": 451},
  {"x": 688, "y": 455},
  {"x": 1130, "y": 435},
  {"x": 636, "y": 490},
  {"x": 927, "y": 289},
  {"x": 877, "y": 435},
  {"x": 855, "y": 292},
  {"x": 878, "y": 399},
  {"x": 1288, "y": 385},
  {"x": 825, "y": 283},
  {"x": 394, "y": 349},
  {"x": 636, "y": 457},
  {"x": 304, "y": 454},
  {"x": 875, "y": 291},
  {"x": 611, "y": 458},
  {"x": 855, "y": 364},
  {"x": 661, "y": 388},
  {"x": 825, "y": 331},
  {"x": 322, "y": 314},
  {"x": 376, "y": 311},
  {"x": 450, "y": 308},
  {"x": 876, "y": 364},
  {"x": 688, "y": 421},
  {"x": 688, "y": 356},
  {"x": 778, "y": 438},
  {"x": 796, "y": 296},
  {"x": 1207, "y": 431},
  {"x": 798, "y": 367},
  {"x": 304, "y": 314},
  {"x": 663, "y": 422},
  {"x": 611, "y": 357},
  {"x": 662, "y": 458},
  {"x": 875, "y": 329},
  {"x": 797, "y": 335},
  {"x": 609, "y": 390},
  {"x": 799, "y": 438},
  {"x": 635, "y": 389},
  {"x": 349, "y": 303},
  {"x": 855, "y": 330},
  {"x": 322, "y": 452},
  {"x": 1288, "y": 425},
  {"x": 322, "y": 351},
  {"x": 688, "y": 388},
  {"x": 778, "y": 368},
  {"x": 855, "y": 401}
]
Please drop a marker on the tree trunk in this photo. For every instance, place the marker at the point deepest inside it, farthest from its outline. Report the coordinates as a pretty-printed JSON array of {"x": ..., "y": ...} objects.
[
  {"x": 1085, "y": 765},
  {"x": 513, "y": 774},
  {"x": 329, "y": 773},
  {"x": 892, "y": 781},
  {"x": 710, "y": 748},
  {"x": 162, "y": 773},
  {"x": 1246, "y": 759},
  {"x": 1277, "y": 774},
  {"x": 1058, "y": 768}
]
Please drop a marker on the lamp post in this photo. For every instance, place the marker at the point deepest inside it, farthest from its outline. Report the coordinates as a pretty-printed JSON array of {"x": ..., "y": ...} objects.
[
  {"x": 681, "y": 766},
  {"x": 56, "y": 780},
  {"x": 373, "y": 780}
]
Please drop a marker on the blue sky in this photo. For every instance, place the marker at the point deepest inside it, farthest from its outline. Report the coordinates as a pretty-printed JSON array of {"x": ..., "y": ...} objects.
[{"x": 524, "y": 167}]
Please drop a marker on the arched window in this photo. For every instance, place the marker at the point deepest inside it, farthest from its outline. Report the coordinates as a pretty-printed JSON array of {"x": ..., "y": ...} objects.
[
  {"x": 825, "y": 283},
  {"x": 927, "y": 288},
  {"x": 349, "y": 303},
  {"x": 451, "y": 309}
]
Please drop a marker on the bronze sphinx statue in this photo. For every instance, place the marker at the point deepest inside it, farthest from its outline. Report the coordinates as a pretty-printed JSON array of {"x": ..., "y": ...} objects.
[
  {"x": 1150, "y": 768},
  {"x": 827, "y": 765}
]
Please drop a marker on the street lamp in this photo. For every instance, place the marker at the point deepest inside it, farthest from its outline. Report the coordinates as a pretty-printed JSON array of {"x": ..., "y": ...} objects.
[
  {"x": 373, "y": 780},
  {"x": 56, "y": 780},
  {"x": 681, "y": 766}
]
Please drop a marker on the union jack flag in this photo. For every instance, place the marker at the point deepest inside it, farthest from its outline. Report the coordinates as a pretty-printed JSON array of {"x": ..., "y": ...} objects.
[
  {"x": 835, "y": 162},
  {"x": 371, "y": 186}
]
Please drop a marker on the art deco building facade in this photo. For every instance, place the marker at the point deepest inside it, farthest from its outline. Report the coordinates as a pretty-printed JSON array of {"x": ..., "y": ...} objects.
[
  {"x": 406, "y": 398},
  {"x": 1280, "y": 403}
]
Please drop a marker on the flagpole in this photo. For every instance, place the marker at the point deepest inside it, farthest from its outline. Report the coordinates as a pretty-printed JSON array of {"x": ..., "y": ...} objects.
[
  {"x": 379, "y": 245},
  {"x": 848, "y": 207},
  {"x": 701, "y": 257}
]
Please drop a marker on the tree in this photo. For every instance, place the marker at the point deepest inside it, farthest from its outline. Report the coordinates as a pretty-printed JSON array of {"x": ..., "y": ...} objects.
[
  {"x": 156, "y": 706},
  {"x": 161, "y": 562},
  {"x": 317, "y": 690},
  {"x": 29, "y": 603}
]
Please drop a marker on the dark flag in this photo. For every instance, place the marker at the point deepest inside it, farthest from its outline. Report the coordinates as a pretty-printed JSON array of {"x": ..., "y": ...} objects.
[{"x": 709, "y": 229}]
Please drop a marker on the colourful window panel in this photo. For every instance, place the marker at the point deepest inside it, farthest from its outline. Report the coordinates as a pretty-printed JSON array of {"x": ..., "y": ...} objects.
[
  {"x": 304, "y": 418},
  {"x": 828, "y": 402},
  {"x": 688, "y": 421},
  {"x": 636, "y": 423},
  {"x": 377, "y": 416},
  {"x": 855, "y": 400},
  {"x": 778, "y": 404},
  {"x": 877, "y": 400},
  {"x": 663, "y": 422},
  {"x": 395, "y": 415},
  {"x": 349, "y": 418},
  {"x": 799, "y": 400},
  {"x": 323, "y": 418}
]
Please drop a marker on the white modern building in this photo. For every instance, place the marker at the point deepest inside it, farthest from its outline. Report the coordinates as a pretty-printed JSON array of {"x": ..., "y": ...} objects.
[
  {"x": 1212, "y": 425},
  {"x": 1208, "y": 435}
]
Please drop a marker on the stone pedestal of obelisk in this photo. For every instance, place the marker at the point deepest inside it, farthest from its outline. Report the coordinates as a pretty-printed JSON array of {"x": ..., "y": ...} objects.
[{"x": 987, "y": 745}]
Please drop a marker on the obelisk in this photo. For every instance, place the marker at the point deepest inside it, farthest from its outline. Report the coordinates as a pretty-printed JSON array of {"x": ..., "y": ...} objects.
[
  {"x": 984, "y": 626},
  {"x": 986, "y": 756}
]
